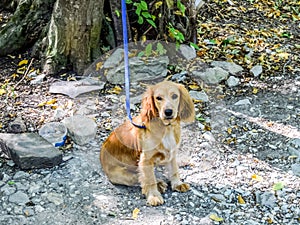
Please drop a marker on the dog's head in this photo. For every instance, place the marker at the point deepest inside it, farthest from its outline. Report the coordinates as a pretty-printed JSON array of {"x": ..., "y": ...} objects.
[{"x": 168, "y": 101}]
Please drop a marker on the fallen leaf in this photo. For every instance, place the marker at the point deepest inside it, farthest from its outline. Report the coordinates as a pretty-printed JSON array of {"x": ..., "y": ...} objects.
[
  {"x": 115, "y": 90},
  {"x": 256, "y": 177},
  {"x": 21, "y": 70},
  {"x": 216, "y": 218},
  {"x": 51, "y": 102},
  {"x": 194, "y": 87},
  {"x": 269, "y": 220},
  {"x": 229, "y": 130},
  {"x": 99, "y": 66},
  {"x": 241, "y": 200},
  {"x": 23, "y": 62},
  {"x": 278, "y": 186},
  {"x": 2, "y": 91},
  {"x": 255, "y": 90},
  {"x": 135, "y": 213}
]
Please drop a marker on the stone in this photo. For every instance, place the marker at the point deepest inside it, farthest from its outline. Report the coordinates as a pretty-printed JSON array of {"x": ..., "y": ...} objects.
[
  {"x": 114, "y": 59},
  {"x": 188, "y": 52},
  {"x": 140, "y": 70},
  {"x": 30, "y": 151},
  {"x": 17, "y": 126},
  {"x": 179, "y": 77},
  {"x": 81, "y": 129},
  {"x": 200, "y": 96},
  {"x": 55, "y": 198},
  {"x": 296, "y": 169},
  {"x": 230, "y": 67},
  {"x": 75, "y": 88},
  {"x": 233, "y": 81},
  {"x": 19, "y": 198},
  {"x": 267, "y": 199},
  {"x": 211, "y": 75},
  {"x": 243, "y": 102},
  {"x": 38, "y": 79},
  {"x": 256, "y": 70}
]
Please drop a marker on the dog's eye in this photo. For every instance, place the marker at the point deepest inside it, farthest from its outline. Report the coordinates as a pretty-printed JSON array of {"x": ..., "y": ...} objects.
[
  {"x": 158, "y": 98},
  {"x": 174, "y": 96}
]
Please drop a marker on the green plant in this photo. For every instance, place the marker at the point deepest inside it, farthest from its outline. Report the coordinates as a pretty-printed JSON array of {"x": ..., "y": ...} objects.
[
  {"x": 176, "y": 34},
  {"x": 142, "y": 11},
  {"x": 160, "y": 50}
]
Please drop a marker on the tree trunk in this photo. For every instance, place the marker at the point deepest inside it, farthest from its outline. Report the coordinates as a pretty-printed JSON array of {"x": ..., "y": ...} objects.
[
  {"x": 25, "y": 26},
  {"x": 74, "y": 35}
]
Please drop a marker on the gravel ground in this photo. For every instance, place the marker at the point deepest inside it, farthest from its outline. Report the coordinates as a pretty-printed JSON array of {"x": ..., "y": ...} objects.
[{"x": 232, "y": 157}]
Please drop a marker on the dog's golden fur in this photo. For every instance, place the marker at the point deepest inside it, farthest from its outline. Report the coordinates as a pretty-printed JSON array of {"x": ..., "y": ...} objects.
[{"x": 129, "y": 154}]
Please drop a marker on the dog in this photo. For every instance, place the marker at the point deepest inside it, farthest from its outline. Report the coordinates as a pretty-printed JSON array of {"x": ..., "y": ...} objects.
[{"x": 130, "y": 154}]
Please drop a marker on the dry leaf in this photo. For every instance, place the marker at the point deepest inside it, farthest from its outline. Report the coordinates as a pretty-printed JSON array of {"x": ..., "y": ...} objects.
[
  {"x": 23, "y": 62},
  {"x": 255, "y": 90},
  {"x": 194, "y": 87},
  {"x": 214, "y": 217},
  {"x": 115, "y": 90},
  {"x": 229, "y": 130},
  {"x": 2, "y": 91},
  {"x": 51, "y": 102},
  {"x": 256, "y": 177},
  {"x": 241, "y": 200},
  {"x": 135, "y": 213},
  {"x": 99, "y": 66}
]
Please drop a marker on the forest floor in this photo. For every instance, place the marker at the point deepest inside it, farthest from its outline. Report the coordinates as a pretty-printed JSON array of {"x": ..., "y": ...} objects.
[{"x": 242, "y": 161}]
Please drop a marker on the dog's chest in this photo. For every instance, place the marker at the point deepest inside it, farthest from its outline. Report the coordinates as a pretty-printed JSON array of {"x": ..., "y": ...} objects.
[
  {"x": 167, "y": 148},
  {"x": 169, "y": 141}
]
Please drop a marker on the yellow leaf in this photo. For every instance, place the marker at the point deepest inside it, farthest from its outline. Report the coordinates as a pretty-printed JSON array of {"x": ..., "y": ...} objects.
[
  {"x": 2, "y": 91},
  {"x": 241, "y": 200},
  {"x": 52, "y": 101},
  {"x": 116, "y": 90},
  {"x": 42, "y": 104},
  {"x": 23, "y": 62},
  {"x": 256, "y": 177},
  {"x": 158, "y": 4},
  {"x": 194, "y": 87},
  {"x": 269, "y": 220},
  {"x": 99, "y": 66},
  {"x": 135, "y": 213},
  {"x": 21, "y": 70},
  {"x": 229, "y": 130},
  {"x": 262, "y": 58},
  {"x": 283, "y": 55},
  {"x": 214, "y": 217},
  {"x": 1, "y": 125},
  {"x": 255, "y": 90}
]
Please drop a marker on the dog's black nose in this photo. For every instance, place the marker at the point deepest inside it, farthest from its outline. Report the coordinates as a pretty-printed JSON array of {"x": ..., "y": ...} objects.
[{"x": 168, "y": 112}]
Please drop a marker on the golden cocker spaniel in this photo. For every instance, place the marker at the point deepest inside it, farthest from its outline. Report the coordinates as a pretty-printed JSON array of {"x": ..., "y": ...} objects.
[{"x": 129, "y": 154}]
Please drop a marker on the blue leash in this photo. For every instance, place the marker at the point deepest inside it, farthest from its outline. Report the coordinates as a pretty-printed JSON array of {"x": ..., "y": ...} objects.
[{"x": 126, "y": 65}]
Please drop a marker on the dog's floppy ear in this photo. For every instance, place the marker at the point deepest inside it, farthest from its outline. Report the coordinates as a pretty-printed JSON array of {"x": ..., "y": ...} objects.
[
  {"x": 186, "y": 106},
  {"x": 149, "y": 109}
]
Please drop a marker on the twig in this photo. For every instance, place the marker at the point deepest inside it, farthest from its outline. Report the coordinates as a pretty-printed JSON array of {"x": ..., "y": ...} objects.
[{"x": 25, "y": 74}]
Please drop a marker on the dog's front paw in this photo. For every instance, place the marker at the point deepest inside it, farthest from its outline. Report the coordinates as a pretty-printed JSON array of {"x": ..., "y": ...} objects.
[
  {"x": 181, "y": 187},
  {"x": 155, "y": 199}
]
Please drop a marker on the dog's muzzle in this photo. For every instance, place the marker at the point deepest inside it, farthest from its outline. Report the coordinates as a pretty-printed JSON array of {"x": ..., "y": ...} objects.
[{"x": 168, "y": 114}]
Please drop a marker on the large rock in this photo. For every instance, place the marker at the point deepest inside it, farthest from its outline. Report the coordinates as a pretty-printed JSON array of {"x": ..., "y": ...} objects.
[
  {"x": 230, "y": 67},
  {"x": 75, "y": 88},
  {"x": 140, "y": 69},
  {"x": 200, "y": 96},
  {"x": 211, "y": 75},
  {"x": 81, "y": 129},
  {"x": 29, "y": 150}
]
